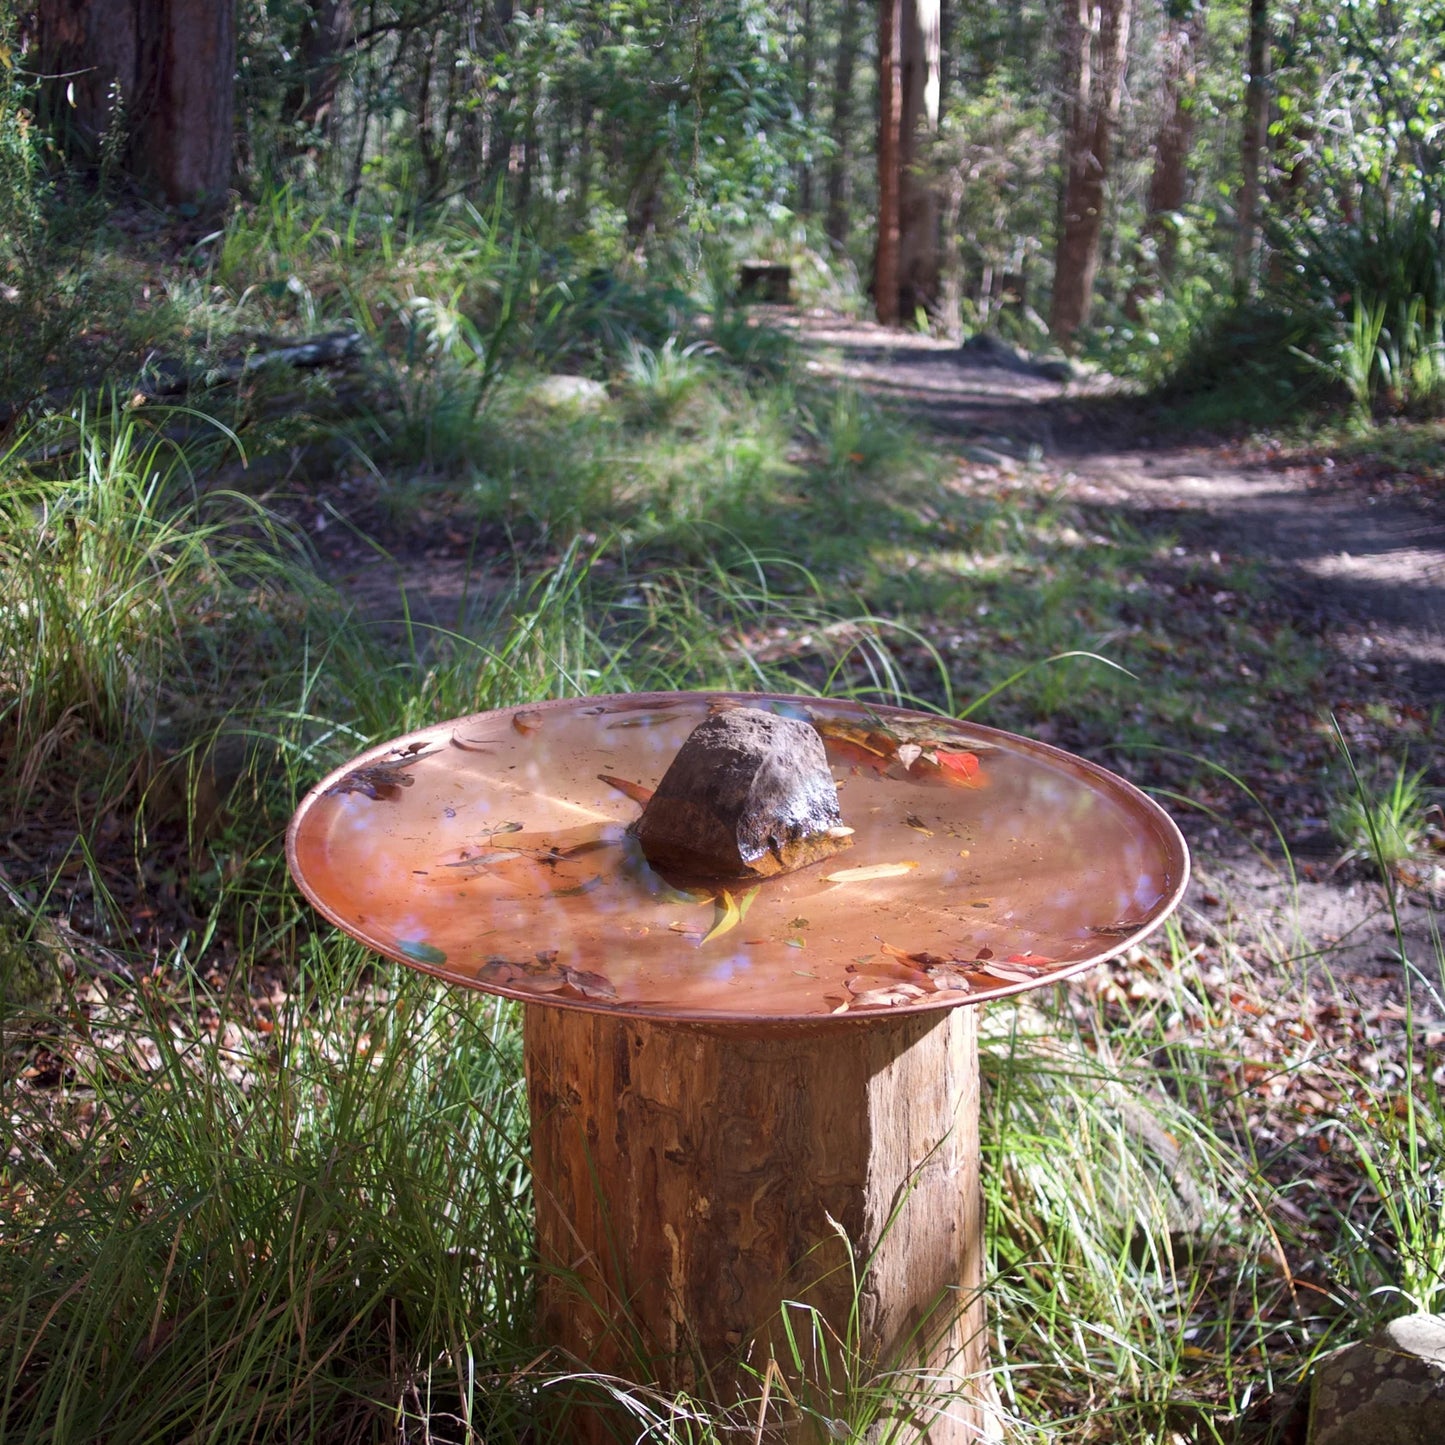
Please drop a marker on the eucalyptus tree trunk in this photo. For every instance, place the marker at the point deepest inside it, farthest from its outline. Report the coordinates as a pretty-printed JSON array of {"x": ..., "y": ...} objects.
[
  {"x": 1096, "y": 48},
  {"x": 850, "y": 18},
  {"x": 1169, "y": 179},
  {"x": 161, "y": 72},
  {"x": 918, "y": 202},
  {"x": 1253, "y": 149},
  {"x": 906, "y": 261},
  {"x": 890, "y": 117}
]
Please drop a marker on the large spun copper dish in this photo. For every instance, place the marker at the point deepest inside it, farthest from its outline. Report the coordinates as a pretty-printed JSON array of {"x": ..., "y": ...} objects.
[{"x": 493, "y": 851}]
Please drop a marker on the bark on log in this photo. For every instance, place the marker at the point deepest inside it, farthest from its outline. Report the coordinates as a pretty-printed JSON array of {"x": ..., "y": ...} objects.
[{"x": 686, "y": 1181}]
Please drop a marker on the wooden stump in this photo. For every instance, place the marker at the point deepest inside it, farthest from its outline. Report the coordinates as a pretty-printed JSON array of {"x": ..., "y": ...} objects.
[
  {"x": 765, "y": 281},
  {"x": 687, "y": 1177}
]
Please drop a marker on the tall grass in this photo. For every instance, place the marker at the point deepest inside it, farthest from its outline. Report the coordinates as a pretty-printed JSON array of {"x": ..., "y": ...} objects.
[
  {"x": 131, "y": 602},
  {"x": 304, "y": 1218}
]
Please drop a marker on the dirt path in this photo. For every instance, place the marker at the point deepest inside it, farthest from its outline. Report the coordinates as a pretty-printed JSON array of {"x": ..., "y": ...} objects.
[
  {"x": 1363, "y": 576},
  {"x": 1367, "y": 573}
]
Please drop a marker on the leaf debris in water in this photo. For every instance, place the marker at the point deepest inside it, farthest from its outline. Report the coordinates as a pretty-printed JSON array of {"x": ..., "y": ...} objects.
[
  {"x": 872, "y": 871},
  {"x": 729, "y": 915},
  {"x": 635, "y": 791}
]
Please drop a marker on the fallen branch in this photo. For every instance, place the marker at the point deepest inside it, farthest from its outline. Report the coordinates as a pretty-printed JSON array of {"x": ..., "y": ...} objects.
[{"x": 165, "y": 379}]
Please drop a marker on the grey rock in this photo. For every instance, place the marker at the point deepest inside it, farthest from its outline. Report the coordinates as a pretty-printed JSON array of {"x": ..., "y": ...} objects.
[
  {"x": 1387, "y": 1390},
  {"x": 1057, "y": 370},
  {"x": 570, "y": 393},
  {"x": 986, "y": 350},
  {"x": 749, "y": 794}
]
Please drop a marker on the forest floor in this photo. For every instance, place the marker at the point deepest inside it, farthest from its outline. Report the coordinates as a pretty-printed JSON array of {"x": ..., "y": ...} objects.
[{"x": 1354, "y": 553}]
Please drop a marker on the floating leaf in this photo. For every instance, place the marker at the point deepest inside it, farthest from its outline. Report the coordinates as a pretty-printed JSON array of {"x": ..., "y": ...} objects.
[
  {"x": 587, "y": 983},
  {"x": 961, "y": 769},
  {"x": 635, "y": 791},
  {"x": 946, "y": 978},
  {"x": 890, "y": 997},
  {"x": 728, "y": 917},
  {"x": 479, "y": 861},
  {"x": 871, "y": 872},
  {"x": 1010, "y": 973},
  {"x": 746, "y": 901},
  {"x": 472, "y": 745},
  {"x": 645, "y": 721},
  {"x": 419, "y": 951},
  {"x": 1122, "y": 929},
  {"x": 909, "y": 753},
  {"x": 584, "y": 887},
  {"x": 382, "y": 782}
]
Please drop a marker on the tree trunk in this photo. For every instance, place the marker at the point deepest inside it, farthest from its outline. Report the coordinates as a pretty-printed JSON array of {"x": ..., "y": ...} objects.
[
  {"x": 849, "y": 25},
  {"x": 1169, "y": 180},
  {"x": 890, "y": 118},
  {"x": 1096, "y": 47},
  {"x": 691, "y": 1180},
  {"x": 165, "y": 69},
  {"x": 1253, "y": 149},
  {"x": 805, "y": 105},
  {"x": 918, "y": 204},
  {"x": 325, "y": 35},
  {"x": 1169, "y": 183}
]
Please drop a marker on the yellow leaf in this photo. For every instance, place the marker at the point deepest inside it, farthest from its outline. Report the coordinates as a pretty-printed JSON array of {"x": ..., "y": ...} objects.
[
  {"x": 729, "y": 915},
  {"x": 872, "y": 871}
]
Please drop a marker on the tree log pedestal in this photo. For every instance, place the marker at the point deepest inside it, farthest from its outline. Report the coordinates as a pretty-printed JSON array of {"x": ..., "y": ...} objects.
[{"x": 690, "y": 1179}]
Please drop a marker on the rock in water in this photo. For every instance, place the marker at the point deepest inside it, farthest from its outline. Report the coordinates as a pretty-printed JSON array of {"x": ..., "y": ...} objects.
[{"x": 749, "y": 794}]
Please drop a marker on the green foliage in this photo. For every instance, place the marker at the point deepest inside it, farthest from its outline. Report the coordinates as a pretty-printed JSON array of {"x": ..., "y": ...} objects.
[
  {"x": 1252, "y": 365},
  {"x": 1379, "y": 284},
  {"x": 21, "y": 217},
  {"x": 994, "y": 162},
  {"x": 122, "y": 589},
  {"x": 661, "y": 380},
  {"x": 1385, "y": 819},
  {"x": 341, "y": 1235}
]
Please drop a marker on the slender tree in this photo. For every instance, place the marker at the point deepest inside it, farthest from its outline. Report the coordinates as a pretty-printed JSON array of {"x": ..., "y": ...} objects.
[
  {"x": 326, "y": 28},
  {"x": 890, "y": 118},
  {"x": 918, "y": 202},
  {"x": 1096, "y": 47},
  {"x": 1254, "y": 146},
  {"x": 850, "y": 26},
  {"x": 906, "y": 260},
  {"x": 1169, "y": 178}
]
